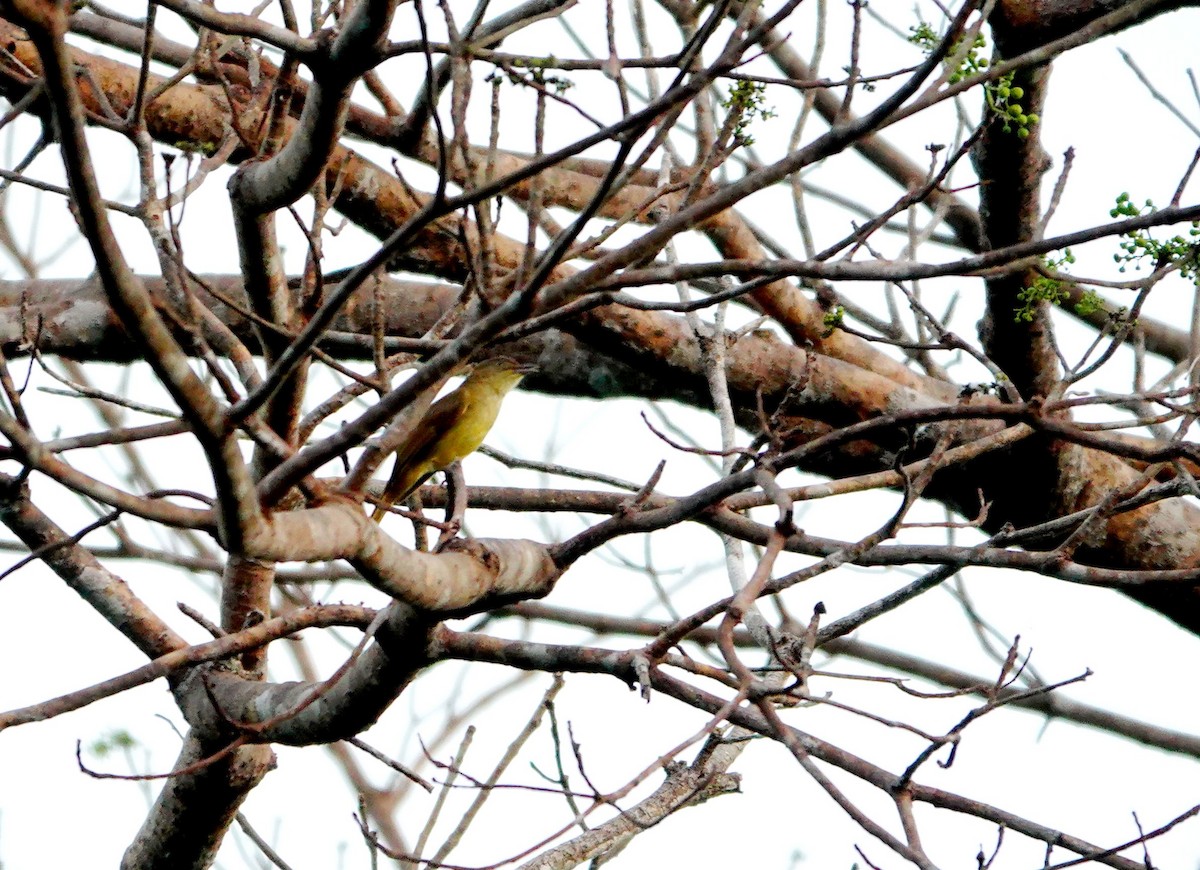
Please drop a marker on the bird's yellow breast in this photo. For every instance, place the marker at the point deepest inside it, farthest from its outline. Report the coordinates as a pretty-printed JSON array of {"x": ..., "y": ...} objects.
[{"x": 452, "y": 429}]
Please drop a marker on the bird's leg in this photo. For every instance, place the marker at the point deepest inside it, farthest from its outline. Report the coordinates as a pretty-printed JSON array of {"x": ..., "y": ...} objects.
[{"x": 456, "y": 503}]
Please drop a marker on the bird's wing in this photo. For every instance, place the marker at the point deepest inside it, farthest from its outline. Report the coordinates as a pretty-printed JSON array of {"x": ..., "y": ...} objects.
[
  {"x": 415, "y": 452},
  {"x": 438, "y": 420}
]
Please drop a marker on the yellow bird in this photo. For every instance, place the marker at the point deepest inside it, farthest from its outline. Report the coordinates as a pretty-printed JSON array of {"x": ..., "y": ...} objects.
[{"x": 452, "y": 429}]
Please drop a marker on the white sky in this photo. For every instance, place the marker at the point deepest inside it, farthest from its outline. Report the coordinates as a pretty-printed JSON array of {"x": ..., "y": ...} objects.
[{"x": 1082, "y": 781}]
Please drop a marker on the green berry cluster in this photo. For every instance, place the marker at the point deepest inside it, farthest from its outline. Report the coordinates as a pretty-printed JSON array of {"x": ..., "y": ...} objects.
[
  {"x": 1001, "y": 95},
  {"x": 924, "y": 37},
  {"x": 1044, "y": 289},
  {"x": 833, "y": 319},
  {"x": 1091, "y": 302},
  {"x": 120, "y": 740},
  {"x": 747, "y": 101},
  {"x": 1139, "y": 245}
]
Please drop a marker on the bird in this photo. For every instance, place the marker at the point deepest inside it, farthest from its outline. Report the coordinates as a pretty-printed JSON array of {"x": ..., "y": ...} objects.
[{"x": 452, "y": 429}]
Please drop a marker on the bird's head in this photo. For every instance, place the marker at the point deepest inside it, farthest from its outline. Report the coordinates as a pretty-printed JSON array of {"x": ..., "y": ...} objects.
[{"x": 500, "y": 374}]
